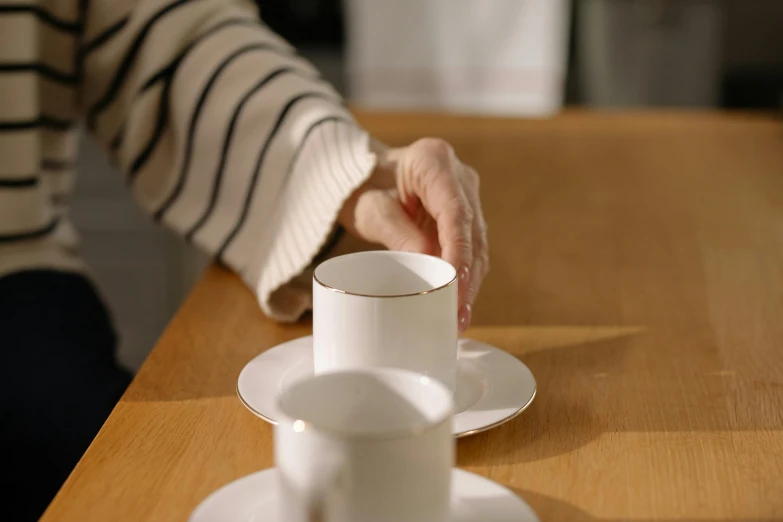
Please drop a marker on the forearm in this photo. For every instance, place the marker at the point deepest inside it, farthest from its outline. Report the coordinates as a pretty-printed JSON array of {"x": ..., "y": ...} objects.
[{"x": 226, "y": 135}]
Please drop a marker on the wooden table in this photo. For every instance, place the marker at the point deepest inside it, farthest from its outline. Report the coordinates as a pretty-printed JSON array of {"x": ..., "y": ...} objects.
[{"x": 637, "y": 270}]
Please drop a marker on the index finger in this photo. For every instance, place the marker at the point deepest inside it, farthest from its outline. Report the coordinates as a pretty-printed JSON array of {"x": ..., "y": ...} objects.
[{"x": 445, "y": 201}]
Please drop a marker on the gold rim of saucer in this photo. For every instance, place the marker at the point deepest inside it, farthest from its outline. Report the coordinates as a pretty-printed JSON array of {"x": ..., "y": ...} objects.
[
  {"x": 252, "y": 409},
  {"x": 501, "y": 421},
  {"x": 384, "y": 296}
]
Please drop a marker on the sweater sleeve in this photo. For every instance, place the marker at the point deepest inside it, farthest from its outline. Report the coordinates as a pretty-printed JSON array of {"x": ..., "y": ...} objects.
[{"x": 223, "y": 134}]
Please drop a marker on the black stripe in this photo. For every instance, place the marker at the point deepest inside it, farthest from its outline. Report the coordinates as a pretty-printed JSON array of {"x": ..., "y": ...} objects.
[
  {"x": 160, "y": 126},
  {"x": 129, "y": 60},
  {"x": 167, "y": 72},
  {"x": 104, "y": 37},
  {"x": 169, "y": 68},
  {"x": 44, "y": 16},
  {"x": 51, "y": 164},
  {"x": 40, "y": 68},
  {"x": 78, "y": 59},
  {"x": 142, "y": 158},
  {"x": 32, "y": 234},
  {"x": 197, "y": 113},
  {"x": 19, "y": 182},
  {"x": 259, "y": 163},
  {"x": 44, "y": 121},
  {"x": 216, "y": 181},
  {"x": 310, "y": 129},
  {"x": 163, "y": 74}
]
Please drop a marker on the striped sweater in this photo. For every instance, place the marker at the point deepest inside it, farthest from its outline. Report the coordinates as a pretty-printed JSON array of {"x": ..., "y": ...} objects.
[{"x": 220, "y": 130}]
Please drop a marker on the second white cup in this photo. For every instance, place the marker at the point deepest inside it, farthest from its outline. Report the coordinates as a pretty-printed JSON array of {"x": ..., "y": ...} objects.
[
  {"x": 386, "y": 309},
  {"x": 370, "y": 445}
]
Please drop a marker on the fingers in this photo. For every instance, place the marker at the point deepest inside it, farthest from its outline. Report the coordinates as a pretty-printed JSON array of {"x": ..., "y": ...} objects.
[
  {"x": 436, "y": 210},
  {"x": 455, "y": 232},
  {"x": 480, "y": 266},
  {"x": 434, "y": 177},
  {"x": 454, "y": 217},
  {"x": 387, "y": 223}
]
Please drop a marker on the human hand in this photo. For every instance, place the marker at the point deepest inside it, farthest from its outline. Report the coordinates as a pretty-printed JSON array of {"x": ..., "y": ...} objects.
[{"x": 422, "y": 198}]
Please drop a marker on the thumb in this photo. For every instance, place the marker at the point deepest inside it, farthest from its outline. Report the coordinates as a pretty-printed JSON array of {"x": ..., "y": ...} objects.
[{"x": 387, "y": 223}]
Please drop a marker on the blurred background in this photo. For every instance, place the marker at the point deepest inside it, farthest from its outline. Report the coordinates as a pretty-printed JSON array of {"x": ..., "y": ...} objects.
[{"x": 522, "y": 58}]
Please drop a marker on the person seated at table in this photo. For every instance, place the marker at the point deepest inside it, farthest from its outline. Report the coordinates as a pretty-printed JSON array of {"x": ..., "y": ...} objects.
[{"x": 223, "y": 134}]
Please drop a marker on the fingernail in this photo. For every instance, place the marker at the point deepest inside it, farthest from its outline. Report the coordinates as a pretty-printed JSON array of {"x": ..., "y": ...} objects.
[
  {"x": 464, "y": 317},
  {"x": 464, "y": 273}
]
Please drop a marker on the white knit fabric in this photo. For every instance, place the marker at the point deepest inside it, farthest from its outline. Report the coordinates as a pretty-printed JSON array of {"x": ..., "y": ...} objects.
[{"x": 222, "y": 132}]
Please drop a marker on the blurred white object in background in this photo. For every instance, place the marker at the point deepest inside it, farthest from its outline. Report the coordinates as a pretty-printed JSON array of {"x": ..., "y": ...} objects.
[{"x": 503, "y": 57}]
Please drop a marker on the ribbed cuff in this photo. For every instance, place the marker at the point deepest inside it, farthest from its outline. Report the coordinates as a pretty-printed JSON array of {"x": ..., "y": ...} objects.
[{"x": 334, "y": 161}]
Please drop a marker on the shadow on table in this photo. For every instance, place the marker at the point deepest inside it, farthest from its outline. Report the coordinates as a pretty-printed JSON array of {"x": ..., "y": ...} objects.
[
  {"x": 560, "y": 419},
  {"x": 594, "y": 380},
  {"x": 549, "y": 509}
]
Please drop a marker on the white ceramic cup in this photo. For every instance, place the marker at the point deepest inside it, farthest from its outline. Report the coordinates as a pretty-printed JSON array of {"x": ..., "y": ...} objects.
[
  {"x": 365, "y": 445},
  {"x": 386, "y": 309}
]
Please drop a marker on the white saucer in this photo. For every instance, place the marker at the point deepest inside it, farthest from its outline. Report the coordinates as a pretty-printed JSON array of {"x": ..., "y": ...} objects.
[
  {"x": 492, "y": 385},
  {"x": 254, "y": 499}
]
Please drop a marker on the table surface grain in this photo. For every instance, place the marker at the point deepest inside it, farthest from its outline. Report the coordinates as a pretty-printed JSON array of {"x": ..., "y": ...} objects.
[{"x": 637, "y": 269}]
